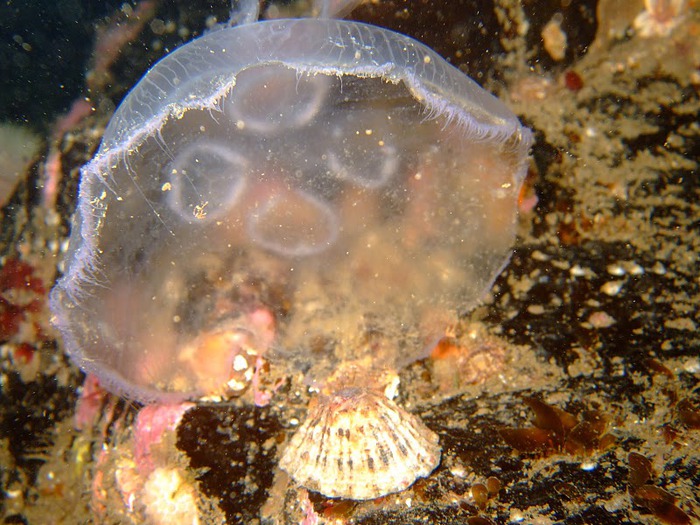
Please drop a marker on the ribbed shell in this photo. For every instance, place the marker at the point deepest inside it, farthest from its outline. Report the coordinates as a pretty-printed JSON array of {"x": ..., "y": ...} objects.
[{"x": 357, "y": 444}]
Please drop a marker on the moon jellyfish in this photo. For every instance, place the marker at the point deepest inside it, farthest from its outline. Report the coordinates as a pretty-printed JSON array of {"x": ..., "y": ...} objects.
[{"x": 340, "y": 176}]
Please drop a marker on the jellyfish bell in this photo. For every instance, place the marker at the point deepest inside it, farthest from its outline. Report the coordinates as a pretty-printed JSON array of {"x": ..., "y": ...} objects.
[{"x": 349, "y": 164}]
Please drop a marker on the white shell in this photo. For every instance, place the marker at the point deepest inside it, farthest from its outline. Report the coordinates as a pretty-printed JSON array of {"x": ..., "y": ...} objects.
[{"x": 357, "y": 444}]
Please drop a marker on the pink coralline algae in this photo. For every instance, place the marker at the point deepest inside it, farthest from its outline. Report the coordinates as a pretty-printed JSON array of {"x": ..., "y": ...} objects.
[
  {"x": 309, "y": 193},
  {"x": 152, "y": 422},
  {"x": 139, "y": 481}
]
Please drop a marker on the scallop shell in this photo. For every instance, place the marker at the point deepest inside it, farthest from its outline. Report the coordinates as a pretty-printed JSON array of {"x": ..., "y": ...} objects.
[{"x": 357, "y": 444}]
